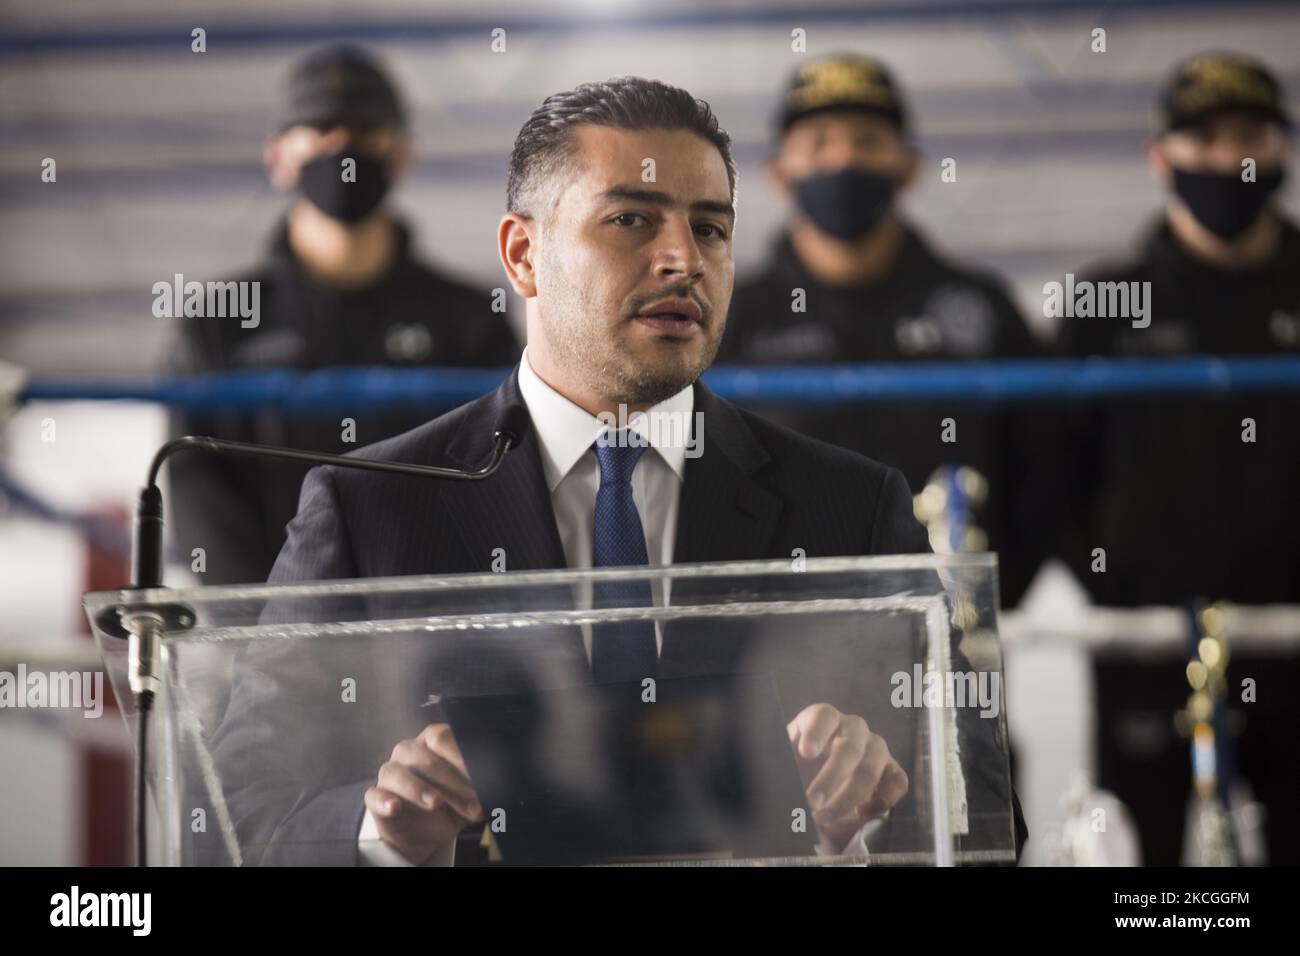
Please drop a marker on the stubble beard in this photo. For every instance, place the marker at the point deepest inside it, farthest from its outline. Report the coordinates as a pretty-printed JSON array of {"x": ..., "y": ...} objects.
[{"x": 582, "y": 344}]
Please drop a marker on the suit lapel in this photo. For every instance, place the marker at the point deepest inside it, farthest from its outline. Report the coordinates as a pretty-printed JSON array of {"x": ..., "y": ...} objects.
[
  {"x": 511, "y": 509},
  {"x": 724, "y": 515}
]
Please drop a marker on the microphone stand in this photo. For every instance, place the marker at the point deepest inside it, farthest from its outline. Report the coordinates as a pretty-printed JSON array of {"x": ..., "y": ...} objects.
[{"x": 144, "y": 623}]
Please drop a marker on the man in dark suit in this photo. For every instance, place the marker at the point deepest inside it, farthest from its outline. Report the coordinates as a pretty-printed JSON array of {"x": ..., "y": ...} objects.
[{"x": 618, "y": 235}]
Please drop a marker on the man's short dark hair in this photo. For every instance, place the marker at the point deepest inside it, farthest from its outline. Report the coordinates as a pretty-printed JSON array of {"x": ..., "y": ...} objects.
[{"x": 544, "y": 146}]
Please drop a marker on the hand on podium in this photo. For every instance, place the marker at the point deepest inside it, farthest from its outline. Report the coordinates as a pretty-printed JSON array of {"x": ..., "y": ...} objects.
[
  {"x": 858, "y": 781},
  {"x": 423, "y": 796}
]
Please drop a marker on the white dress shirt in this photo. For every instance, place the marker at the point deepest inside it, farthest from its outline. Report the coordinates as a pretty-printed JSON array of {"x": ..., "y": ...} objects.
[{"x": 565, "y": 435}]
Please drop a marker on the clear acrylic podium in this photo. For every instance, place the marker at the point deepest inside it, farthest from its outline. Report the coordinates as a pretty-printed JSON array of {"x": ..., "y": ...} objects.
[{"x": 280, "y": 703}]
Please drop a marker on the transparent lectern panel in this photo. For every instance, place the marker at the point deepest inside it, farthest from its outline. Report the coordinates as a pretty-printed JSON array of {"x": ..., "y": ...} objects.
[{"x": 874, "y": 683}]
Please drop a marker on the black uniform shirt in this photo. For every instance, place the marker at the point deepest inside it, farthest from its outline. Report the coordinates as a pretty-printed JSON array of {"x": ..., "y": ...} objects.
[
  {"x": 1182, "y": 505},
  {"x": 237, "y": 509},
  {"x": 924, "y": 309}
]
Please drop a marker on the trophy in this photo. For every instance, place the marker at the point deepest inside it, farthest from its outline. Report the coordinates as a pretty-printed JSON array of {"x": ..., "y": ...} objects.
[
  {"x": 1201, "y": 721},
  {"x": 948, "y": 505}
]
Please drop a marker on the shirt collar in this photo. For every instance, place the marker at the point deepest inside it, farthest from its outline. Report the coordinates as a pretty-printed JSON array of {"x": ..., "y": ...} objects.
[{"x": 565, "y": 432}]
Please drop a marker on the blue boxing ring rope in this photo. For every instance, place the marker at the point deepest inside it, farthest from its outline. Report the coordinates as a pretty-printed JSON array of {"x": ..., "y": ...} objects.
[{"x": 347, "y": 388}]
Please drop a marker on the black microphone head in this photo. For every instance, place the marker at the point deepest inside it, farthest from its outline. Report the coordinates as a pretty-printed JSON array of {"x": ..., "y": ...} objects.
[{"x": 514, "y": 421}]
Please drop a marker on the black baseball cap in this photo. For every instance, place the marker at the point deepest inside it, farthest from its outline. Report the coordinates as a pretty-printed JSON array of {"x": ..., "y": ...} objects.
[
  {"x": 340, "y": 84},
  {"x": 843, "y": 81},
  {"x": 1209, "y": 84}
]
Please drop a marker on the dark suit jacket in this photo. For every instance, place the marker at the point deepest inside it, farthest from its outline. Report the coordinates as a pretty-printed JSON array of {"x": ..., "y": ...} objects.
[{"x": 758, "y": 490}]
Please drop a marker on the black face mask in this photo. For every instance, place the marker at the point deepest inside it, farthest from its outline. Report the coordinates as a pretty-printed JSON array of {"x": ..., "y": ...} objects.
[
  {"x": 1221, "y": 202},
  {"x": 321, "y": 182},
  {"x": 848, "y": 203}
]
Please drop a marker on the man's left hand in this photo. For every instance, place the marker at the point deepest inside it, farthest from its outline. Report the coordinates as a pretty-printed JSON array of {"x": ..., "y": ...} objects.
[{"x": 859, "y": 779}]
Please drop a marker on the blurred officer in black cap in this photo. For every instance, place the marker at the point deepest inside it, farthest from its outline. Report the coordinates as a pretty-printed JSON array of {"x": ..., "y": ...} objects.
[
  {"x": 341, "y": 286},
  {"x": 1195, "y": 496},
  {"x": 849, "y": 280}
]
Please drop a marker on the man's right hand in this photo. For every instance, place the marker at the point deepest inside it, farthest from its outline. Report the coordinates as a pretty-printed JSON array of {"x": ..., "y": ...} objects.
[{"x": 423, "y": 796}]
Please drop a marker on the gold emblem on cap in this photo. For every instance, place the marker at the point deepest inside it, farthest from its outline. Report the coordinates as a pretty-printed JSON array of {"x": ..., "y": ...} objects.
[
  {"x": 840, "y": 81},
  {"x": 1214, "y": 80}
]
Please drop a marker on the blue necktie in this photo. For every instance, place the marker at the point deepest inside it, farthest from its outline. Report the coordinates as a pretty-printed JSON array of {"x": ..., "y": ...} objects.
[{"x": 623, "y": 650}]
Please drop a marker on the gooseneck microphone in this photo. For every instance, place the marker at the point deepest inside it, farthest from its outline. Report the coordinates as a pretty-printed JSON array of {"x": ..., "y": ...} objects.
[{"x": 143, "y": 623}]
